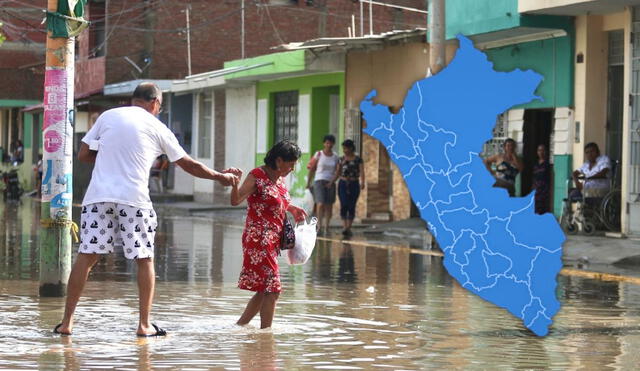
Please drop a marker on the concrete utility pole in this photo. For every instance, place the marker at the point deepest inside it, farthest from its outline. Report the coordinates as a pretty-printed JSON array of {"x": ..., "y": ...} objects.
[
  {"x": 57, "y": 190},
  {"x": 436, "y": 36}
]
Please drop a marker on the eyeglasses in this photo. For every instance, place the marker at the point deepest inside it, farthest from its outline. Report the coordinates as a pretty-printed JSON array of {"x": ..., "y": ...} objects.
[{"x": 160, "y": 103}]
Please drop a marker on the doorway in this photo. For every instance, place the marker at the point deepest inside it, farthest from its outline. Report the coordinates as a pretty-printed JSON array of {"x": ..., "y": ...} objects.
[
  {"x": 537, "y": 128},
  {"x": 615, "y": 98}
]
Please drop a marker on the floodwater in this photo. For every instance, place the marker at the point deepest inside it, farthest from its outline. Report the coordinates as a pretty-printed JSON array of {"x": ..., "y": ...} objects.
[{"x": 350, "y": 307}]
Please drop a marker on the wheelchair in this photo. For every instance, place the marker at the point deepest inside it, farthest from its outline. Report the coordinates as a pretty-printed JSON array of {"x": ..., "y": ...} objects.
[{"x": 591, "y": 212}]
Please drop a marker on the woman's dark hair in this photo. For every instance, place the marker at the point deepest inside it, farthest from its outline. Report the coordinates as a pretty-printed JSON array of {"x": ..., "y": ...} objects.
[
  {"x": 509, "y": 140},
  {"x": 286, "y": 150},
  {"x": 329, "y": 138},
  {"x": 349, "y": 144},
  {"x": 593, "y": 145}
]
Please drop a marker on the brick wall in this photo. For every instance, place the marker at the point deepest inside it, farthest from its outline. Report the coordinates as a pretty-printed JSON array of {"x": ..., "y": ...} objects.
[
  {"x": 22, "y": 57},
  {"x": 21, "y": 71},
  {"x": 215, "y": 31}
]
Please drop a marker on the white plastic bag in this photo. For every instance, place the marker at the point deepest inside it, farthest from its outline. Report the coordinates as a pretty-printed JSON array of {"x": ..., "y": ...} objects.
[
  {"x": 307, "y": 202},
  {"x": 305, "y": 242}
]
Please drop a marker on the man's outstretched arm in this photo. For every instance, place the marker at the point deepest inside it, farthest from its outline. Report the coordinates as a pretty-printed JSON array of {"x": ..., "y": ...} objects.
[{"x": 198, "y": 169}]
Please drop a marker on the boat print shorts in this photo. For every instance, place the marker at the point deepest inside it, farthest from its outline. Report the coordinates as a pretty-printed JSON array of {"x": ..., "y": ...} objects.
[{"x": 104, "y": 225}]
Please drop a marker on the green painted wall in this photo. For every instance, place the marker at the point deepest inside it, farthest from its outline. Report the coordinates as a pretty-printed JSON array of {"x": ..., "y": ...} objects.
[
  {"x": 562, "y": 172},
  {"x": 25, "y": 169},
  {"x": 27, "y": 132},
  {"x": 319, "y": 87},
  {"x": 320, "y": 115},
  {"x": 552, "y": 58},
  {"x": 471, "y": 17},
  {"x": 283, "y": 62}
]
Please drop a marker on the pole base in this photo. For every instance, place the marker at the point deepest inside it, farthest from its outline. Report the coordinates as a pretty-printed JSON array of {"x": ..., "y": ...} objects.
[{"x": 53, "y": 290}]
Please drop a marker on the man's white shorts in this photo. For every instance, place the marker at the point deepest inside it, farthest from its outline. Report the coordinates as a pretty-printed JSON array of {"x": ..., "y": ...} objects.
[{"x": 106, "y": 224}]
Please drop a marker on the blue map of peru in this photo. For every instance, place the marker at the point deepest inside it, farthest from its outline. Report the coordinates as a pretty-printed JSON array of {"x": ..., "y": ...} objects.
[{"x": 495, "y": 246}]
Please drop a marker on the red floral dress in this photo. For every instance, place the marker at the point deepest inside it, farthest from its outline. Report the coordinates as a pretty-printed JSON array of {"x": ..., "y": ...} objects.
[{"x": 262, "y": 233}]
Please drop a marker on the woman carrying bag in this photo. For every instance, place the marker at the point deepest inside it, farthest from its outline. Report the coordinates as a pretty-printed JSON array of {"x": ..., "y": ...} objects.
[{"x": 268, "y": 201}]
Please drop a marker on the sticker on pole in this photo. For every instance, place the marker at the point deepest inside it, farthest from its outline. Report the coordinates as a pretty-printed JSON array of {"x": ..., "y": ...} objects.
[{"x": 52, "y": 141}]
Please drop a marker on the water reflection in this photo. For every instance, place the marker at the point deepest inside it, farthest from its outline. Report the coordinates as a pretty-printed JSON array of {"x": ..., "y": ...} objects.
[{"x": 350, "y": 307}]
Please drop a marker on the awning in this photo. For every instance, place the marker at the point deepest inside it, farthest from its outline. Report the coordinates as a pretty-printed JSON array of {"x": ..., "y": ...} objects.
[{"x": 126, "y": 88}]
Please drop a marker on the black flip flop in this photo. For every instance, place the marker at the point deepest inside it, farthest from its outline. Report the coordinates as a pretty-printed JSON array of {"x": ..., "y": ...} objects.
[
  {"x": 55, "y": 331},
  {"x": 159, "y": 332}
]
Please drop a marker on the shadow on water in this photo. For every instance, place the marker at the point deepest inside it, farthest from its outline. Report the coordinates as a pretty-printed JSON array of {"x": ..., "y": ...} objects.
[{"x": 349, "y": 307}]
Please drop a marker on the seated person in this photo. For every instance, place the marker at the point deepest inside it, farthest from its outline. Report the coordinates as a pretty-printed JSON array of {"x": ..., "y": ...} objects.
[{"x": 593, "y": 177}]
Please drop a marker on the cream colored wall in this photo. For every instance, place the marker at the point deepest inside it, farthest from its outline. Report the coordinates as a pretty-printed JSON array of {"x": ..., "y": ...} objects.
[
  {"x": 590, "y": 84},
  {"x": 391, "y": 71},
  {"x": 82, "y": 122},
  {"x": 612, "y": 22},
  {"x": 624, "y": 221},
  {"x": 591, "y": 89}
]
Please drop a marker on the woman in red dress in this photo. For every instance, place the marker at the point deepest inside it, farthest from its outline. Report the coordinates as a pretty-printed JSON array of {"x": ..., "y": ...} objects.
[{"x": 268, "y": 201}]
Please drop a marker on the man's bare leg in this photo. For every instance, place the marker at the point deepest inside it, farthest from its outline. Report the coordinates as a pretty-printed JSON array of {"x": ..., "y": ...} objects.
[
  {"x": 77, "y": 280},
  {"x": 146, "y": 285}
]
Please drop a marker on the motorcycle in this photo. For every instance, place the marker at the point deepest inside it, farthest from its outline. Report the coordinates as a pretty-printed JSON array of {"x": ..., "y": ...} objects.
[{"x": 12, "y": 188}]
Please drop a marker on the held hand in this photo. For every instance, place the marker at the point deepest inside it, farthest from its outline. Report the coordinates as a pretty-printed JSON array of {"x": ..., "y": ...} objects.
[
  {"x": 233, "y": 170},
  {"x": 298, "y": 213},
  {"x": 328, "y": 184},
  {"x": 228, "y": 179},
  {"x": 362, "y": 185}
]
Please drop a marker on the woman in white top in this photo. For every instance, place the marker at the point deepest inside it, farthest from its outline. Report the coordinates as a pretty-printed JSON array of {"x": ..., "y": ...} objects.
[{"x": 321, "y": 172}]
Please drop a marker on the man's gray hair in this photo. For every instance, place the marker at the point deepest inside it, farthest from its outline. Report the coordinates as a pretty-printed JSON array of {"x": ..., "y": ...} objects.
[{"x": 147, "y": 91}]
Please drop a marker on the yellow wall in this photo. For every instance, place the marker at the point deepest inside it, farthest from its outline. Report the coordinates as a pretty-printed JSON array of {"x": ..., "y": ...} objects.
[{"x": 590, "y": 84}]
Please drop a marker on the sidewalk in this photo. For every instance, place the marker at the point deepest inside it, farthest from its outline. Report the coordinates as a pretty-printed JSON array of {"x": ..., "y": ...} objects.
[
  {"x": 596, "y": 253},
  {"x": 604, "y": 254}
]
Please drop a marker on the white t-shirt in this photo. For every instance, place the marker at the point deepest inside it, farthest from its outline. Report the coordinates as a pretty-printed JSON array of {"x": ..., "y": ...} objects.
[
  {"x": 326, "y": 167},
  {"x": 130, "y": 139}
]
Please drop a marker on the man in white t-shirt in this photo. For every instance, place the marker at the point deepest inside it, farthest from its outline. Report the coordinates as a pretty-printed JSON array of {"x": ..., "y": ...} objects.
[{"x": 124, "y": 143}]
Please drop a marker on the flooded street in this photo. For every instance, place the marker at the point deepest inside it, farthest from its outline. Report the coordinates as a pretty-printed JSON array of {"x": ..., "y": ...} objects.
[{"x": 349, "y": 307}]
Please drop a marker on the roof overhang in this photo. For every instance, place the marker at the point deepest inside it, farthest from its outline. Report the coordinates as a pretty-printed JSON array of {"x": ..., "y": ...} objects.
[
  {"x": 573, "y": 7},
  {"x": 126, "y": 88},
  {"x": 349, "y": 43},
  {"x": 515, "y": 36},
  {"x": 211, "y": 79}
]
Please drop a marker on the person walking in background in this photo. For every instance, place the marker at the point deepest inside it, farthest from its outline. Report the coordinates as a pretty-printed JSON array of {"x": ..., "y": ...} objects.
[
  {"x": 321, "y": 178},
  {"x": 157, "y": 172},
  {"x": 542, "y": 178},
  {"x": 350, "y": 171},
  {"x": 116, "y": 208},
  {"x": 268, "y": 202},
  {"x": 507, "y": 164},
  {"x": 37, "y": 169}
]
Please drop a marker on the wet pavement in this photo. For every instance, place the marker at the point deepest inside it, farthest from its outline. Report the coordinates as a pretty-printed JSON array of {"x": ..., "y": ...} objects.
[{"x": 350, "y": 307}]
